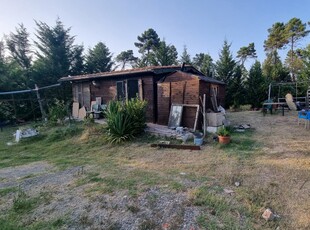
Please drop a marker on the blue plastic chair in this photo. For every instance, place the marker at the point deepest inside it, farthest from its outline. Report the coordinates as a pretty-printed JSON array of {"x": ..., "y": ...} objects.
[{"x": 303, "y": 114}]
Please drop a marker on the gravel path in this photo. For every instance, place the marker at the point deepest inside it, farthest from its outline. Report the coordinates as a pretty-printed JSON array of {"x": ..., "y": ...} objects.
[{"x": 155, "y": 208}]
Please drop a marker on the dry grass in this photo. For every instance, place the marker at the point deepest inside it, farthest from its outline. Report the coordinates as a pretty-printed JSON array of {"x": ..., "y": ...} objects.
[{"x": 272, "y": 162}]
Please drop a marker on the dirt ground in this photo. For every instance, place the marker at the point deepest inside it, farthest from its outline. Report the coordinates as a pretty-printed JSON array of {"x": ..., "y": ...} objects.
[{"x": 277, "y": 176}]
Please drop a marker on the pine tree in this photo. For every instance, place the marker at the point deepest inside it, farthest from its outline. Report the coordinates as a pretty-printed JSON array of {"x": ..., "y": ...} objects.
[
  {"x": 185, "y": 57},
  {"x": 256, "y": 86},
  {"x": 57, "y": 56},
  {"x": 19, "y": 47},
  {"x": 147, "y": 42},
  {"x": 164, "y": 55},
  {"x": 126, "y": 57},
  {"x": 236, "y": 89},
  {"x": 99, "y": 59},
  {"x": 225, "y": 65}
]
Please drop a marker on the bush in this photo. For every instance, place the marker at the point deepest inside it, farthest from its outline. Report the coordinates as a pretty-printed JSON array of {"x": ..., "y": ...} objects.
[
  {"x": 58, "y": 112},
  {"x": 125, "y": 120}
]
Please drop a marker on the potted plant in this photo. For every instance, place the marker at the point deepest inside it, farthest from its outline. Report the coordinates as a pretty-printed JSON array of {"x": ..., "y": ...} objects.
[{"x": 224, "y": 135}]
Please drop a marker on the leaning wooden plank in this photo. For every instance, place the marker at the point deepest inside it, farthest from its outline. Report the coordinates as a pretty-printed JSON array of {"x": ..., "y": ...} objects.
[
  {"x": 75, "y": 110},
  {"x": 190, "y": 147}
]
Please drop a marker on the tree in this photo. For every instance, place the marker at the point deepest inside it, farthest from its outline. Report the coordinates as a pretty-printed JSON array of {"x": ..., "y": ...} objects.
[
  {"x": 236, "y": 89},
  {"x": 56, "y": 55},
  {"x": 147, "y": 42},
  {"x": 225, "y": 65},
  {"x": 126, "y": 57},
  {"x": 19, "y": 47},
  {"x": 246, "y": 52},
  {"x": 277, "y": 38},
  {"x": 185, "y": 57},
  {"x": 305, "y": 58},
  {"x": 273, "y": 68},
  {"x": 255, "y": 86},
  {"x": 77, "y": 62},
  {"x": 294, "y": 30},
  {"x": 164, "y": 55},
  {"x": 204, "y": 63},
  {"x": 99, "y": 59}
]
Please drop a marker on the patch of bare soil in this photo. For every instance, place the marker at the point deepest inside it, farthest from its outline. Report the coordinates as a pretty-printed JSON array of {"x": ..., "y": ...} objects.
[{"x": 155, "y": 208}]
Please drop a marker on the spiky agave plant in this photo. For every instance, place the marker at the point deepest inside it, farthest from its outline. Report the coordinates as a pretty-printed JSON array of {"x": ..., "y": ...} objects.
[{"x": 125, "y": 120}]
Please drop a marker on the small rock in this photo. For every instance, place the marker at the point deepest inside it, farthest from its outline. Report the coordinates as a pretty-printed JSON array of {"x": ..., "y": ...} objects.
[
  {"x": 237, "y": 183},
  {"x": 228, "y": 191},
  {"x": 269, "y": 215}
]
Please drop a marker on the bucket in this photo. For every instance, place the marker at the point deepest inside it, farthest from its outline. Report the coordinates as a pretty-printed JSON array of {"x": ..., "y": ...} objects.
[{"x": 198, "y": 140}]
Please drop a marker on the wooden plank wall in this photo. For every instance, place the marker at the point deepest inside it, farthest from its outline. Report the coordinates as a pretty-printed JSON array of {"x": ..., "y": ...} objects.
[
  {"x": 106, "y": 89},
  {"x": 178, "y": 92}
]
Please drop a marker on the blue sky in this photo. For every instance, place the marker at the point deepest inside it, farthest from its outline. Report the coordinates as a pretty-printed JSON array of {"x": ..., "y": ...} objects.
[{"x": 201, "y": 25}]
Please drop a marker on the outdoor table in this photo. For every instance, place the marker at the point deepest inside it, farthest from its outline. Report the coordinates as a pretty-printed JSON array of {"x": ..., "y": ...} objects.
[{"x": 281, "y": 104}]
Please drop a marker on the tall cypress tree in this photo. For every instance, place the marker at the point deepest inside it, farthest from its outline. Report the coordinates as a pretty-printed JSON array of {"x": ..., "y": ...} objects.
[
  {"x": 99, "y": 59},
  {"x": 255, "y": 86},
  {"x": 225, "y": 68},
  {"x": 225, "y": 65}
]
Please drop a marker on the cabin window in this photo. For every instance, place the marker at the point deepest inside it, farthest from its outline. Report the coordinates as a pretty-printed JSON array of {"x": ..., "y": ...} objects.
[
  {"x": 129, "y": 89},
  {"x": 132, "y": 89},
  {"x": 120, "y": 90}
]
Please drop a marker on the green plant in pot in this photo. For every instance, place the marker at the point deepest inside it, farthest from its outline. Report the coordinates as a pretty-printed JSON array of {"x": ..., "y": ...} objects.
[{"x": 224, "y": 135}]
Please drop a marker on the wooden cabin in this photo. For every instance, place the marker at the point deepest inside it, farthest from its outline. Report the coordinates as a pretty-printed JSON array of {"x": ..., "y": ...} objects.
[
  {"x": 185, "y": 84},
  {"x": 187, "y": 88}
]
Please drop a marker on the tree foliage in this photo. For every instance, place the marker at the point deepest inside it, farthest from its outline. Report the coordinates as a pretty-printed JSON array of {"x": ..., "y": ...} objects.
[
  {"x": 236, "y": 91},
  {"x": 147, "y": 42},
  {"x": 185, "y": 57},
  {"x": 126, "y": 57},
  {"x": 19, "y": 46},
  {"x": 246, "y": 52},
  {"x": 255, "y": 86},
  {"x": 57, "y": 56},
  {"x": 280, "y": 35},
  {"x": 226, "y": 64},
  {"x": 164, "y": 55},
  {"x": 99, "y": 59},
  {"x": 204, "y": 63}
]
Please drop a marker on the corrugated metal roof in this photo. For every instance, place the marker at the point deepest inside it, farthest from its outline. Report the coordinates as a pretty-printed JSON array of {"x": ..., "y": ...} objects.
[{"x": 149, "y": 69}]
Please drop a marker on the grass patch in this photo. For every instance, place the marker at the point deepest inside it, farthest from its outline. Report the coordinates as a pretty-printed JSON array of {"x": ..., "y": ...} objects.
[
  {"x": 5, "y": 191},
  {"x": 243, "y": 145},
  {"x": 220, "y": 213}
]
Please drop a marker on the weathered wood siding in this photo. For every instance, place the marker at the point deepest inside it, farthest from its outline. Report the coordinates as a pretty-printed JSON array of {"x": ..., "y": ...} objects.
[
  {"x": 106, "y": 89},
  {"x": 178, "y": 88}
]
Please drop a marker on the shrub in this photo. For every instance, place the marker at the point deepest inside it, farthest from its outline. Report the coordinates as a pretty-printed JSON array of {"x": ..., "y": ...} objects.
[
  {"x": 58, "y": 112},
  {"x": 125, "y": 120}
]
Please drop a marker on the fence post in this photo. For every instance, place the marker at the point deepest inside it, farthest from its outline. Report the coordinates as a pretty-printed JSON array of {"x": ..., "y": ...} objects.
[{"x": 40, "y": 102}]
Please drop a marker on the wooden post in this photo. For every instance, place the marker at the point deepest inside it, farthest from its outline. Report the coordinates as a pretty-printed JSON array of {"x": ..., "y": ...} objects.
[
  {"x": 13, "y": 99},
  {"x": 40, "y": 102},
  {"x": 204, "y": 114},
  {"x": 269, "y": 92}
]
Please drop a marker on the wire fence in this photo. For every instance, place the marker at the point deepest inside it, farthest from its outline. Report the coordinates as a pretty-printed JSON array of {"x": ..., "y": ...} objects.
[{"x": 30, "y": 105}]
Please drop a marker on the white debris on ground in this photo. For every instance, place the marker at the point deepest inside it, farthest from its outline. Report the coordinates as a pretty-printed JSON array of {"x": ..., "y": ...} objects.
[{"x": 30, "y": 132}]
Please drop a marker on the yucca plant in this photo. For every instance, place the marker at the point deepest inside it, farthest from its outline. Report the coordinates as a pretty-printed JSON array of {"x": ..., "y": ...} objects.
[{"x": 125, "y": 120}]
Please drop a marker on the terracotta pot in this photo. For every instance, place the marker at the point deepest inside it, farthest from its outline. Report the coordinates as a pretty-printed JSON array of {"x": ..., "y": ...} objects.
[{"x": 224, "y": 139}]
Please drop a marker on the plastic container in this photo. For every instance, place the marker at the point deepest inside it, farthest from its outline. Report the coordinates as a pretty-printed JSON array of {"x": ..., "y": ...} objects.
[{"x": 198, "y": 141}]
